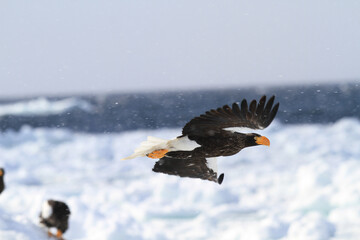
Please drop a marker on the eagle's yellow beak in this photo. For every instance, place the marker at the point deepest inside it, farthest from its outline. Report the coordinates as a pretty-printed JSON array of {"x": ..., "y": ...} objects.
[{"x": 262, "y": 141}]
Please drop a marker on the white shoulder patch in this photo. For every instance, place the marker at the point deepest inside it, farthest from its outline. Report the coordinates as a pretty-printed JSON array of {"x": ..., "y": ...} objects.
[
  {"x": 46, "y": 210},
  {"x": 182, "y": 144},
  {"x": 212, "y": 163},
  {"x": 240, "y": 129}
]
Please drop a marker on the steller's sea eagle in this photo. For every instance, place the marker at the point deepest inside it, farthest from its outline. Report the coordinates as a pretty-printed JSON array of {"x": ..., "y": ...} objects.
[
  {"x": 55, "y": 214},
  {"x": 210, "y": 135}
]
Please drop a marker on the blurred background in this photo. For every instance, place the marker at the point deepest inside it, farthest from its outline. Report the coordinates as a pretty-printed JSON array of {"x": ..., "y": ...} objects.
[
  {"x": 89, "y": 47},
  {"x": 84, "y": 82}
]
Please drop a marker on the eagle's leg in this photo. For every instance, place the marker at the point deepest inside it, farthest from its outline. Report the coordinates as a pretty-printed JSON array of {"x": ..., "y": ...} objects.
[
  {"x": 157, "y": 153},
  {"x": 59, "y": 235}
]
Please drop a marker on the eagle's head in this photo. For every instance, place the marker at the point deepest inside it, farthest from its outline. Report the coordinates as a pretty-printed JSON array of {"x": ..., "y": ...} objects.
[{"x": 254, "y": 139}]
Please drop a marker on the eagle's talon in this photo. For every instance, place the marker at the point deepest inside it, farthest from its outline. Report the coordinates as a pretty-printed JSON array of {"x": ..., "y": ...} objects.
[
  {"x": 157, "y": 153},
  {"x": 59, "y": 235}
]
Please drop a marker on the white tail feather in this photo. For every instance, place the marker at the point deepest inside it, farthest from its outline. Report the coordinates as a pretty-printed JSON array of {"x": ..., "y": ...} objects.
[{"x": 148, "y": 146}]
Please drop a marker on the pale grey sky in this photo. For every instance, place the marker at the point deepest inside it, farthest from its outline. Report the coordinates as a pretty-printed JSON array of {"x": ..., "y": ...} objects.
[{"x": 84, "y": 46}]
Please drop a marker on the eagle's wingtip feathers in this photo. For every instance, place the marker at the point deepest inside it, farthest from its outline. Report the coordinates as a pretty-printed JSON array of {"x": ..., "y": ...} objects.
[{"x": 221, "y": 178}]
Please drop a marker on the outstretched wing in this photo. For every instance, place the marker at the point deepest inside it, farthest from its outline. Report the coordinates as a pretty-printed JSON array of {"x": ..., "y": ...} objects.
[
  {"x": 202, "y": 168},
  {"x": 254, "y": 116}
]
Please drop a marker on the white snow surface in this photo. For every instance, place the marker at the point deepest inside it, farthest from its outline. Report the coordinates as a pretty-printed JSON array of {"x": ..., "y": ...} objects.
[
  {"x": 305, "y": 186},
  {"x": 43, "y": 106}
]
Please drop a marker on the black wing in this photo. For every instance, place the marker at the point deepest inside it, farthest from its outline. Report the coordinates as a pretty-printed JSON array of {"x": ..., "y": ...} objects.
[
  {"x": 192, "y": 167},
  {"x": 255, "y": 116}
]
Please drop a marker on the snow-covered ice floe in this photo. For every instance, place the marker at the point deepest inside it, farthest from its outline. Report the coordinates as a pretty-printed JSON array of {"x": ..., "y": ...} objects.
[
  {"x": 305, "y": 186},
  {"x": 43, "y": 107}
]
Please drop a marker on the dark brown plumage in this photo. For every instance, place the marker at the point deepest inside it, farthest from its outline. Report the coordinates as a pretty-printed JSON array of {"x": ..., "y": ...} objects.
[
  {"x": 255, "y": 116},
  {"x": 191, "y": 167}
]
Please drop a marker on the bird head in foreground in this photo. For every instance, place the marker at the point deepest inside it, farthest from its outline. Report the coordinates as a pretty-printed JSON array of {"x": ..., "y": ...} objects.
[
  {"x": 254, "y": 139},
  {"x": 2, "y": 184}
]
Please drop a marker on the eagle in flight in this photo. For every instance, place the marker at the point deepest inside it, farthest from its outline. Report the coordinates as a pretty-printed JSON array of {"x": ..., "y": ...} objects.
[{"x": 210, "y": 135}]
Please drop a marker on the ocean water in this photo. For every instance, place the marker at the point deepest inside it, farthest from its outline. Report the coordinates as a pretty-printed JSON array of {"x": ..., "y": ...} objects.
[
  {"x": 123, "y": 112},
  {"x": 305, "y": 186}
]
